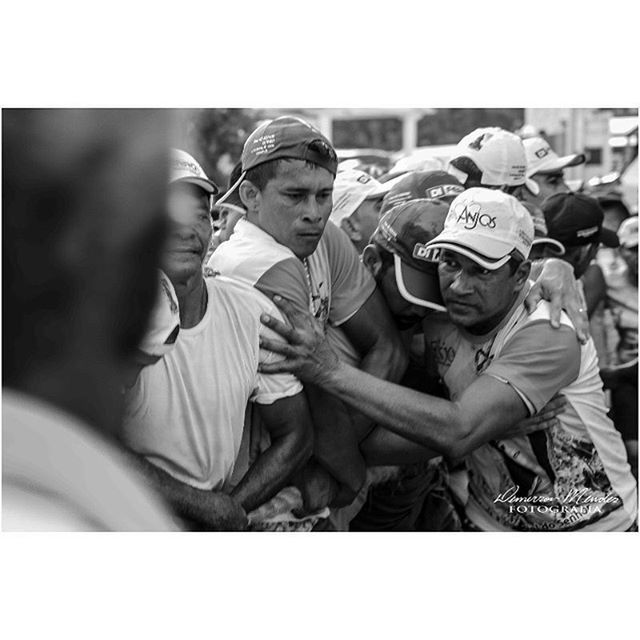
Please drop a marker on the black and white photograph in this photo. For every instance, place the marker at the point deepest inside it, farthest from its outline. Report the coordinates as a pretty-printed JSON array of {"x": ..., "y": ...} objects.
[{"x": 319, "y": 319}]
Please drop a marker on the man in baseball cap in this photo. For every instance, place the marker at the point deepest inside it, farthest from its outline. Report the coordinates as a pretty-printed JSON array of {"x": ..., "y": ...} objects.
[
  {"x": 357, "y": 198},
  {"x": 575, "y": 220},
  {"x": 405, "y": 270},
  {"x": 487, "y": 227},
  {"x": 491, "y": 157},
  {"x": 185, "y": 168},
  {"x": 545, "y": 169},
  {"x": 500, "y": 365},
  {"x": 422, "y": 184}
]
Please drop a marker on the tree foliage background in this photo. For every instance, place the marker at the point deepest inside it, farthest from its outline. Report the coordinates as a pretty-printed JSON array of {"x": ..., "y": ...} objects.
[{"x": 215, "y": 137}]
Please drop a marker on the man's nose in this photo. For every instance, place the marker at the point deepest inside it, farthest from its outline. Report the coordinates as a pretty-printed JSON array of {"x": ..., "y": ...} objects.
[
  {"x": 460, "y": 284},
  {"x": 311, "y": 211}
]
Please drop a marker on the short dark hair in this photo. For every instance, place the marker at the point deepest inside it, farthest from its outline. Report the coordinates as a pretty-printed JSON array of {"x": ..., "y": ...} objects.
[{"x": 474, "y": 175}]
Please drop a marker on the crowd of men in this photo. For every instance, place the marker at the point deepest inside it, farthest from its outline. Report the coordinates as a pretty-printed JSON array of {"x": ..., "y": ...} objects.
[{"x": 342, "y": 354}]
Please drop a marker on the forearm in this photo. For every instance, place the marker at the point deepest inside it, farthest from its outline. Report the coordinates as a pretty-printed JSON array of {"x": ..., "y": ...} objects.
[
  {"x": 272, "y": 470},
  {"x": 185, "y": 500},
  {"x": 429, "y": 421}
]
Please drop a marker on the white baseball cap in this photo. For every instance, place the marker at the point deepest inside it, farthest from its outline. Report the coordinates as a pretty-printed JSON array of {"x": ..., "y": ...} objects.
[
  {"x": 350, "y": 189},
  {"x": 541, "y": 158},
  {"x": 500, "y": 156},
  {"x": 486, "y": 226},
  {"x": 164, "y": 323},
  {"x": 185, "y": 168}
]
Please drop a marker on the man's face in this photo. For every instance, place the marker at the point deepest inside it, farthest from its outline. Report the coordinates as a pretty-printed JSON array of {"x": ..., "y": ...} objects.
[
  {"x": 549, "y": 183},
  {"x": 405, "y": 313},
  {"x": 476, "y": 298},
  {"x": 294, "y": 206},
  {"x": 189, "y": 232},
  {"x": 365, "y": 218}
]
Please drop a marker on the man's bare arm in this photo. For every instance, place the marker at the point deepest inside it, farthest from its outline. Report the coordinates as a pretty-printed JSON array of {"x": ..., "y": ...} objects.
[
  {"x": 213, "y": 509},
  {"x": 289, "y": 425}
]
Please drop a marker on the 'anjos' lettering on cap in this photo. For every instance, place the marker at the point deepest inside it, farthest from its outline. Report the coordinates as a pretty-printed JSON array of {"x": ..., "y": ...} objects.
[{"x": 470, "y": 215}]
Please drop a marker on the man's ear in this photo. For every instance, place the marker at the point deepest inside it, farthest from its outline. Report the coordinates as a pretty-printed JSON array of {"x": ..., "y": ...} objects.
[
  {"x": 250, "y": 196},
  {"x": 372, "y": 259},
  {"x": 351, "y": 228},
  {"x": 522, "y": 273}
]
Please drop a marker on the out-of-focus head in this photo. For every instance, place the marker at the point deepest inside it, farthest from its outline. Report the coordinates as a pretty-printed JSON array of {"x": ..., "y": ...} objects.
[
  {"x": 289, "y": 168},
  {"x": 483, "y": 255},
  {"x": 575, "y": 220},
  {"x": 357, "y": 198},
  {"x": 419, "y": 185},
  {"x": 84, "y": 201},
  {"x": 545, "y": 169},
  {"x": 406, "y": 271},
  {"x": 490, "y": 157}
]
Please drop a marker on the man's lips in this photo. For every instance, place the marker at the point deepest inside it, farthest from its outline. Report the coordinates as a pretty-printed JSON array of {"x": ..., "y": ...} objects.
[
  {"x": 458, "y": 303},
  {"x": 310, "y": 234}
]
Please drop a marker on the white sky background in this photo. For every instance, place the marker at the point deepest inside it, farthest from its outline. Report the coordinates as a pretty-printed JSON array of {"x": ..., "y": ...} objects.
[{"x": 393, "y": 54}]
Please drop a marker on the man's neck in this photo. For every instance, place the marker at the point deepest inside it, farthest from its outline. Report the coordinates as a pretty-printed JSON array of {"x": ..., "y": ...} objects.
[{"x": 191, "y": 295}]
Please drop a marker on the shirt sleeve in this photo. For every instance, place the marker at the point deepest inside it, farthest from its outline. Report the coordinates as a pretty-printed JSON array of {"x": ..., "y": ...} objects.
[
  {"x": 351, "y": 283},
  {"x": 287, "y": 279},
  {"x": 272, "y": 387},
  {"x": 538, "y": 361}
]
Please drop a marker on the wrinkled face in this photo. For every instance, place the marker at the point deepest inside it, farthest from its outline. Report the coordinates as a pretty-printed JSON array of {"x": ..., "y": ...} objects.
[
  {"x": 294, "y": 206},
  {"x": 365, "y": 219},
  {"x": 405, "y": 313},
  {"x": 190, "y": 229},
  {"x": 477, "y": 299}
]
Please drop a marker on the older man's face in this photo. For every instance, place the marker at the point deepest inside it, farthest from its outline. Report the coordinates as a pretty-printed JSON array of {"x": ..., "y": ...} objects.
[{"x": 189, "y": 232}]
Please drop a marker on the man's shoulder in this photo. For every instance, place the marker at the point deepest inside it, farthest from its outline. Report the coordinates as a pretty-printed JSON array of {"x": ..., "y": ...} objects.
[
  {"x": 238, "y": 295},
  {"x": 249, "y": 253}
]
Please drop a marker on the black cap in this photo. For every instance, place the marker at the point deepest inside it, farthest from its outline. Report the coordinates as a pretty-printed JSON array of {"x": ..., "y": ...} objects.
[
  {"x": 405, "y": 231},
  {"x": 575, "y": 219}
]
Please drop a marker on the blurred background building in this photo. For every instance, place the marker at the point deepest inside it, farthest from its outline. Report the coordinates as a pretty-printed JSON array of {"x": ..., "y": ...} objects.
[{"x": 379, "y": 140}]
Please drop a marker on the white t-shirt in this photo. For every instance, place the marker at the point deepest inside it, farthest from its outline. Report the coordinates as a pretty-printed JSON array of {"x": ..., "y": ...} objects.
[
  {"x": 571, "y": 477},
  {"x": 185, "y": 413}
]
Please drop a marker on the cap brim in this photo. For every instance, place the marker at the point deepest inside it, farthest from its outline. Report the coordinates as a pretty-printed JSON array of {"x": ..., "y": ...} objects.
[
  {"x": 484, "y": 261},
  {"x": 559, "y": 247},
  {"x": 232, "y": 188},
  {"x": 418, "y": 287},
  {"x": 572, "y": 160},
  {"x": 210, "y": 187},
  {"x": 609, "y": 238},
  {"x": 533, "y": 186}
]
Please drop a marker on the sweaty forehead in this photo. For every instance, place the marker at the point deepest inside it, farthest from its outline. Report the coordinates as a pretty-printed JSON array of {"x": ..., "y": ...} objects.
[{"x": 300, "y": 174}]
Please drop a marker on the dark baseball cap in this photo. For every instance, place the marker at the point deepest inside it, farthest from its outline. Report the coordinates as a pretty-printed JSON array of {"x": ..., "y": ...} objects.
[
  {"x": 575, "y": 219},
  {"x": 422, "y": 184},
  {"x": 288, "y": 137},
  {"x": 540, "y": 231},
  {"x": 404, "y": 231}
]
